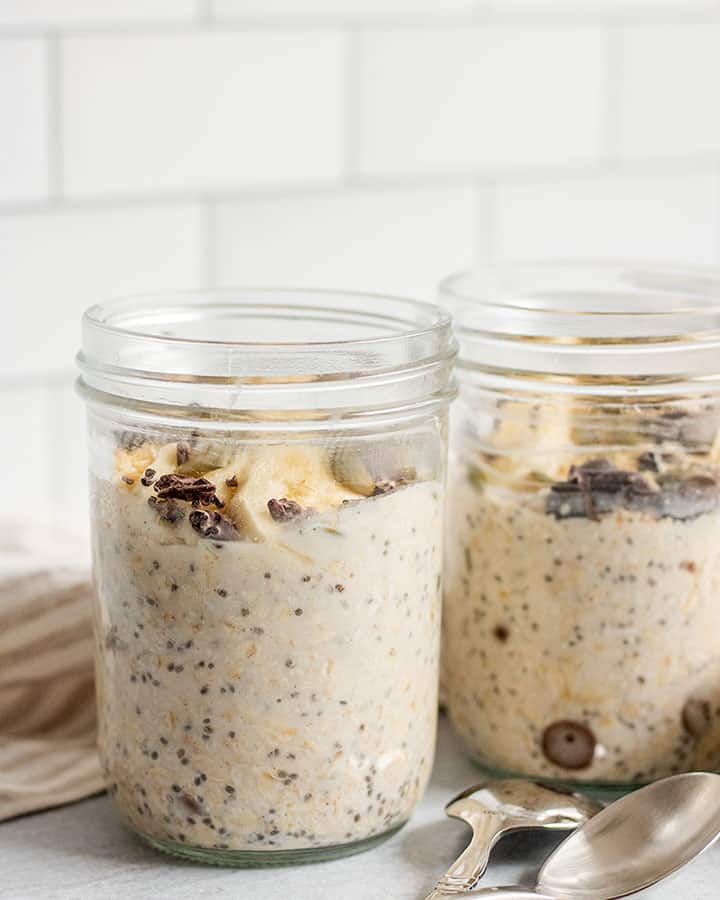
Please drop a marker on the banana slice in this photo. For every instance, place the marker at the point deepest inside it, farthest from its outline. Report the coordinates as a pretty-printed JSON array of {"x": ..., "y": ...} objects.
[
  {"x": 532, "y": 439},
  {"x": 130, "y": 464},
  {"x": 300, "y": 474},
  {"x": 360, "y": 469}
]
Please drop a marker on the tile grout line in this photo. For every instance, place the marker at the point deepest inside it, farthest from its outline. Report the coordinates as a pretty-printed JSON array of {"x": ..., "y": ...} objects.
[
  {"x": 204, "y": 12},
  {"x": 352, "y": 120},
  {"x": 481, "y": 15},
  {"x": 54, "y": 117},
  {"x": 613, "y": 88},
  {"x": 667, "y": 166}
]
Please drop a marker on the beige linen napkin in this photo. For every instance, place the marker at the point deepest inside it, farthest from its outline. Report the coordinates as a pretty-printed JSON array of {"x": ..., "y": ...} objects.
[{"x": 47, "y": 704}]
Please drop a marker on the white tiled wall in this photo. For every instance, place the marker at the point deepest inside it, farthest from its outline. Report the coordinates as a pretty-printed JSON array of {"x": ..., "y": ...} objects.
[{"x": 148, "y": 144}]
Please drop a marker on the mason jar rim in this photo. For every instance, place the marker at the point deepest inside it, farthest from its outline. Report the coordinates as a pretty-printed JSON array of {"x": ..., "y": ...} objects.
[
  {"x": 267, "y": 348},
  {"x": 618, "y": 324}
]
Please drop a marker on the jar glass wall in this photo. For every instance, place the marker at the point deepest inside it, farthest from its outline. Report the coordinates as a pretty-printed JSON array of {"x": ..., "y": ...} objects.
[
  {"x": 582, "y": 600},
  {"x": 267, "y": 474}
]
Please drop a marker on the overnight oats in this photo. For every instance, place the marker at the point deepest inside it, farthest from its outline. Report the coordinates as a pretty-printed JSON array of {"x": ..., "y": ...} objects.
[
  {"x": 582, "y": 592},
  {"x": 268, "y": 570}
]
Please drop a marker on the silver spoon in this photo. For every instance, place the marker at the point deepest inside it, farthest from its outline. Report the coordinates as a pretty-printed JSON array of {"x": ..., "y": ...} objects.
[
  {"x": 494, "y": 808},
  {"x": 631, "y": 844}
]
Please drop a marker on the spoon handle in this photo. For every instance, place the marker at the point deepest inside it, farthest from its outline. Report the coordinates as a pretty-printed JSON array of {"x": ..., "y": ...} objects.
[
  {"x": 469, "y": 867},
  {"x": 508, "y": 892}
]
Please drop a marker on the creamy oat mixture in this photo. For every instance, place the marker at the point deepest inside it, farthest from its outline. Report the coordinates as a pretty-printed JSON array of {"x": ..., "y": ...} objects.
[
  {"x": 268, "y": 645},
  {"x": 582, "y": 603}
]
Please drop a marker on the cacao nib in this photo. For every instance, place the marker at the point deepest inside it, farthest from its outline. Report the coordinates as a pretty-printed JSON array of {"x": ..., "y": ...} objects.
[
  {"x": 211, "y": 524},
  {"x": 166, "y": 509},
  {"x": 130, "y": 440},
  {"x": 182, "y": 453},
  {"x": 185, "y": 487},
  {"x": 148, "y": 477},
  {"x": 283, "y": 510}
]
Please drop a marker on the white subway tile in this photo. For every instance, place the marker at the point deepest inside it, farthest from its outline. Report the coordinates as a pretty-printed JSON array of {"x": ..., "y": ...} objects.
[
  {"x": 196, "y": 111},
  {"x": 377, "y": 240},
  {"x": 25, "y": 450},
  {"x": 69, "y": 464},
  {"x": 604, "y": 6},
  {"x": 666, "y": 218},
  {"x": 54, "y": 265},
  {"x": 23, "y": 118},
  {"x": 671, "y": 76},
  {"x": 452, "y": 98},
  {"x": 336, "y": 8},
  {"x": 54, "y": 13}
]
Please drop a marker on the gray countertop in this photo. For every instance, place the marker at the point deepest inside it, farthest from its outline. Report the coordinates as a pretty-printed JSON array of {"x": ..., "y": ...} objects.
[{"x": 82, "y": 852}]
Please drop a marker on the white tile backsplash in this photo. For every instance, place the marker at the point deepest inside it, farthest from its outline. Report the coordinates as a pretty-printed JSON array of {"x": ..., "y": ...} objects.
[
  {"x": 208, "y": 110},
  {"x": 671, "y": 218},
  {"x": 25, "y": 450},
  {"x": 56, "y": 264},
  {"x": 336, "y": 8},
  {"x": 60, "y": 13},
  {"x": 444, "y": 99},
  {"x": 397, "y": 241},
  {"x": 23, "y": 120},
  {"x": 372, "y": 144},
  {"x": 671, "y": 77}
]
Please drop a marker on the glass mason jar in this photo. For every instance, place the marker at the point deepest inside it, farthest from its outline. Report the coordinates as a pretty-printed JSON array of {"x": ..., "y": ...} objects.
[
  {"x": 267, "y": 486},
  {"x": 582, "y": 583}
]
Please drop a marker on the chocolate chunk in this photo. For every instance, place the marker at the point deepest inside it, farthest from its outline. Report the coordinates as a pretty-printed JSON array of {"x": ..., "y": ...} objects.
[
  {"x": 211, "y": 524},
  {"x": 148, "y": 477},
  {"x": 284, "y": 510},
  {"x": 697, "y": 718},
  {"x": 688, "y": 497},
  {"x": 232, "y": 481},
  {"x": 185, "y": 487},
  {"x": 568, "y": 744},
  {"x": 182, "y": 453},
  {"x": 597, "y": 486},
  {"x": 166, "y": 509},
  {"x": 128, "y": 480},
  {"x": 647, "y": 462}
]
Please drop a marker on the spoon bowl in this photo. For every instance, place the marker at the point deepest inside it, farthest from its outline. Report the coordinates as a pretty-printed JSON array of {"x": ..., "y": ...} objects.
[
  {"x": 496, "y": 807},
  {"x": 632, "y": 844}
]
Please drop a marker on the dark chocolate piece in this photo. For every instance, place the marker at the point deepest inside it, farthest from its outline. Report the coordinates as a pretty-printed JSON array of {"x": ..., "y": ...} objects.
[
  {"x": 568, "y": 744},
  {"x": 213, "y": 525},
  {"x": 185, "y": 487},
  {"x": 688, "y": 497},
  {"x": 148, "y": 477},
  {"x": 647, "y": 462},
  {"x": 596, "y": 487}
]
